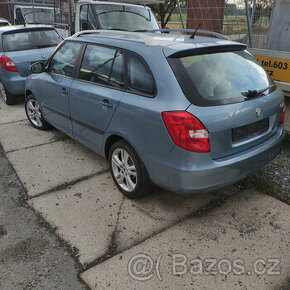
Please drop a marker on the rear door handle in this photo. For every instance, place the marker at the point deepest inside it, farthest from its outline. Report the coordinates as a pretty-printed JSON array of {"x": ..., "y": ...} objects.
[
  {"x": 64, "y": 91},
  {"x": 107, "y": 104}
]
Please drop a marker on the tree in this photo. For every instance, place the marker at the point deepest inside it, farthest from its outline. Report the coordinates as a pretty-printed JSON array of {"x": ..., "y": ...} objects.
[
  {"x": 164, "y": 11},
  {"x": 262, "y": 7}
]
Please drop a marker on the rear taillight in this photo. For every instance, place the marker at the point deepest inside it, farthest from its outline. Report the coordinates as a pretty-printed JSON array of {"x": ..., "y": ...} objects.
[
  {"x": 186, "y": 131},
  {"x": 282, "y": 118},
  {"x": 7, "y": 64}
]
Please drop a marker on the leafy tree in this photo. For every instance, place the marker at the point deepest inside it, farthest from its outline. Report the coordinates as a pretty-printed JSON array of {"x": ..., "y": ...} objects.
[{"x": 164, "y": 11}]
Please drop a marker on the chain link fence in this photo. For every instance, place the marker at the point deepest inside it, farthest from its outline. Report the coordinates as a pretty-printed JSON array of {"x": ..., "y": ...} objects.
[{"x": 228, "y": 17}]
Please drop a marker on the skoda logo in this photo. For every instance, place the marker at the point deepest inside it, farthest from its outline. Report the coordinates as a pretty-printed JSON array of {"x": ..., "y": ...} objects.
[
  {"x": 43, "y": 56},
  {"x": 258, "y": 112}
]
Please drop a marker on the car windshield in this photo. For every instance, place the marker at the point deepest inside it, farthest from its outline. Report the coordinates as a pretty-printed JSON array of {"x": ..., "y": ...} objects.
[
  {"x": 30, "y": 40},
  {"x": 125, "y": 17},
  {"x": 3, "y": 23},
  {"x": 225, "y": 75},
  {"x": 39, "y": 15}
]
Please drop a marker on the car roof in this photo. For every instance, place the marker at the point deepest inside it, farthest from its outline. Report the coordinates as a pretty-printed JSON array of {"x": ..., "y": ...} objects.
[
  {"x": 4, "y": 29},
  {"x": 170, "y": 43},
  {"x": 128, "y": 2}
]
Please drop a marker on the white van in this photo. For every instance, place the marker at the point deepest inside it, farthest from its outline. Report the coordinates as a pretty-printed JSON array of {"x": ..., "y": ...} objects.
[{"x": 92, "y": 14}]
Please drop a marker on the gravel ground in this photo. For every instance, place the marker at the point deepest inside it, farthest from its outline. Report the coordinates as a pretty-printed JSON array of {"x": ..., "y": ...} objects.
[
  {"x": 274, "y": 179},
  {"x": 31, "y": 255}
]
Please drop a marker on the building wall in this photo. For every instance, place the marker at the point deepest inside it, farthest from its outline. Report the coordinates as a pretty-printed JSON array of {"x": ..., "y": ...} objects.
[{"x": 208, "y": 12}]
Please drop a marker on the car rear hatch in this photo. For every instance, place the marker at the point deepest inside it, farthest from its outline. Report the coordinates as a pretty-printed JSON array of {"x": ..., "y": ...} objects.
[
  {"x": 231, "y": 94},
  {"x": 237, "y": 127},
  {"x": 24, "y": 59},
  {"x": 26, "y": 46}
]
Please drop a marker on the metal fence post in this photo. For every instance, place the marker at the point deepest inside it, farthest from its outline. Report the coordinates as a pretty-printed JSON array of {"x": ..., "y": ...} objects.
[
  {"x": 70, "y": 16},
  {"x": 248, "y": 23},
  {"x": 180, "y": 13}
]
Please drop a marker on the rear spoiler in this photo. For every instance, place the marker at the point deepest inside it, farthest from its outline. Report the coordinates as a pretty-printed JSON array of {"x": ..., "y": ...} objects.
[{"x": 204, "y": 50}]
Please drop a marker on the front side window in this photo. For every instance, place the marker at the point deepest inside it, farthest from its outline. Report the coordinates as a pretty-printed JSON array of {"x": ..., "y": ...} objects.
[
  {"x": 30, "y": 40},
  {"x": 125, "y": 17},
  {"x": 87, "y": 19},
  {"x": 64, "y": 59},
  {"x": 19, "y": 17},
  {"x": 140, "y": 78},
  {"x": 84, "y": 17},
  {"x": 97, "y": 63},
  {"x": 223, "y": 77}
]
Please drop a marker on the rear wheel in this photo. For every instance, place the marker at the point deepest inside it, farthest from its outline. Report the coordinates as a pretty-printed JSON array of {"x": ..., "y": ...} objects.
[
  {"x": 34, "y": 115},
  {"x": 8, "y": 98},
  {"x": 127, "y": 170}
]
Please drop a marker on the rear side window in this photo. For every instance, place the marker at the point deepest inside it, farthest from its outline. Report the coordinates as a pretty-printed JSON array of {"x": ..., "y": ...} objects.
[
  {"x": 64, "y": 59},
  {"x": 97, "y": 63},
  {"x": 117, "y": 75},
  {"x": 30, "y": 40},
  {"x": 140, "y": 78},
  {"x": 220, "y": 78}
]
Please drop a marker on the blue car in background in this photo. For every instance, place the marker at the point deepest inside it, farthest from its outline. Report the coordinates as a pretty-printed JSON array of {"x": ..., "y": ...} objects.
[
  {"x": 20, "y": 47},
  {"x": 187, "y": 114}
]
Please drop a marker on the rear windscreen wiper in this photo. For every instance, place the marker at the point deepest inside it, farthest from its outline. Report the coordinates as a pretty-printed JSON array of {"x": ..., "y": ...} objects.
[{"x": 251, "y": 94}]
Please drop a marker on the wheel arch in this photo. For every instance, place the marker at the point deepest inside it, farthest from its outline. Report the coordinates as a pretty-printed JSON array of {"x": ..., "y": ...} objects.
[
  {"x": 27, "y": 93},
  {"x": 110, "y": 141}
]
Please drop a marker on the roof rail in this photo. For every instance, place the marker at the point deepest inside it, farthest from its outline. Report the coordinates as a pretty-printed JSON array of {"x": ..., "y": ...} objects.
[
  {"x": 77, "y": 34},
  {"x": 212, "y": 33}
]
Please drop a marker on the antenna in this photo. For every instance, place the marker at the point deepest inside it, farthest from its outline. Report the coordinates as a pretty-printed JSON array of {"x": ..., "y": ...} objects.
[{"x": 193, "y": 35}]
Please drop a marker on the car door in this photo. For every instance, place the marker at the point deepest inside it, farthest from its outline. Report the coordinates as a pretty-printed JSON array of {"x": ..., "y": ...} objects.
[
  {"x": 95, "y": 93},
  {"x": 54, "y": 86}
]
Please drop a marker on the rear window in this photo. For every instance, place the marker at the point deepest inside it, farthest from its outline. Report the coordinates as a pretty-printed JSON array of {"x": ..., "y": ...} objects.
[
  {"x": 220, "y": 78},
  {"x": 30, "y": 40}
]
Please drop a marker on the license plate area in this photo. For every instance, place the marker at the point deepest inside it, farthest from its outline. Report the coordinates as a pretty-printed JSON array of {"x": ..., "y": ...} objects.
[{"x": 250, "y": 130}]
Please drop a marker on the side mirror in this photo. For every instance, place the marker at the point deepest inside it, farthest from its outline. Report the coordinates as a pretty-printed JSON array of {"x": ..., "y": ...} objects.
[{"x": 37, "y": 67}]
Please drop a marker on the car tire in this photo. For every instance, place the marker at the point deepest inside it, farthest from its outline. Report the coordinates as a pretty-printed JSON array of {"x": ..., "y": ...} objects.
[
  {"x": 34, "y": 114},
  {"x": 8, "y": 98},
  {"x": 128, "y": 171}
]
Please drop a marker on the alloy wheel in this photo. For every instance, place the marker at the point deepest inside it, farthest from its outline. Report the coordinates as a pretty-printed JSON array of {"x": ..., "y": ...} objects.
[
  {"x": 33, "y": 112},
  {"x": 3, "y": 93},
  {"x": 124, "y": 170}
]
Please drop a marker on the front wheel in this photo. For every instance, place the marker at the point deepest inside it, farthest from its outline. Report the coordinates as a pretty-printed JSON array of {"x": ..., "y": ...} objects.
[
  {"x": 127, "y": 170},
  {"x": 34, "y": 115}
]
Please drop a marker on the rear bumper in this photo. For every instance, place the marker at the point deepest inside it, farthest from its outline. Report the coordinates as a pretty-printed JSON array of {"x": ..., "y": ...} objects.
[
  {"x": 188, "y": 173},
  {"x": 13, "y": 82}
]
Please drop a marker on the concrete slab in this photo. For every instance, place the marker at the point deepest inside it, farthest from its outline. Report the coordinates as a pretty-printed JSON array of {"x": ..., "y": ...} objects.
[
  {"x": 247, "y": 227},
  {"x": 137, "y": 220},
  {"x": 47, "y": 166},
  {"x": 11, "y": 114},
  {"x": 141, "y": 218},
  {"x": 85, "y": 215},
  {"x": 20, "y": 135}
]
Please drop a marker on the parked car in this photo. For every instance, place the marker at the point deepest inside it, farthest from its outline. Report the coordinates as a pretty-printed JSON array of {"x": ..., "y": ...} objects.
[
  {"x": 4, "y": 22},
  {"x": 91, "y": 14},
  {"x": 188, "y": 115},
  {"x": 20, "y": 47}
]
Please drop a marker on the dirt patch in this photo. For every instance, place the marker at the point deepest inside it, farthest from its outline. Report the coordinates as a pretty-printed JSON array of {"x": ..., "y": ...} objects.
[
  {"x": 3, "y": 231},
  {"x": 28, "y": 249}
]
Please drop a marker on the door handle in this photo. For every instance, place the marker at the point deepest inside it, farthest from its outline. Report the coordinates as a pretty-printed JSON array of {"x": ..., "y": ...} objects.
[
  {"x": 107, "y": 104},
  {"x": 64, "y": 91}
]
